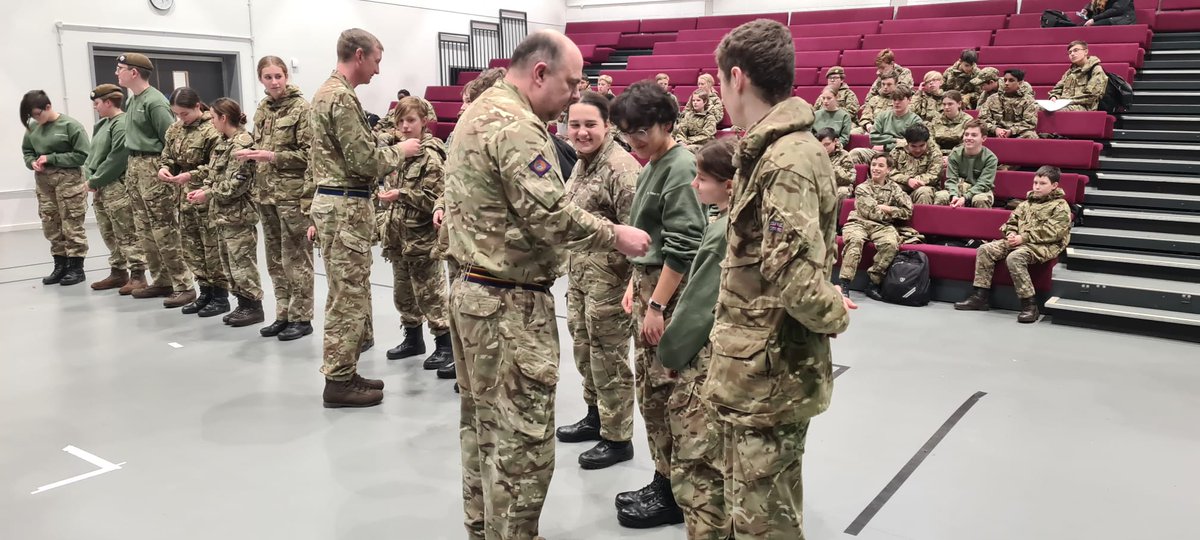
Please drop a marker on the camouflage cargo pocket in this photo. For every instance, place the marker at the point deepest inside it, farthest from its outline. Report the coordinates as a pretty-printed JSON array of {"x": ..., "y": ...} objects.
[
  {"x": 769, "y": 452},
  {"x": 525, "y": 400},
  {"x": 74, "y": 199},
  {"x": 115, "y": 196},
  {"x": 354, "y": 241},
  {"x": 693, "y": 427},
  {"x": 740, "y": 374},
  {"x": 474, "y": 313}
]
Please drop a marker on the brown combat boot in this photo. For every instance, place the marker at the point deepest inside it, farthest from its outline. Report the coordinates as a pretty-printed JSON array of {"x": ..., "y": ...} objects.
[
  {"x": 153, "y": 291},
  {"x": 980, "y": 300},
  {"x": 1029, "y": 311},
  {"x": 374, "y": 384},
  {"x": 349, "y": 393},
  {"x": 116, "y": 278},
  {"x": 137, "y": 280},
  {"x": 180, "y": 298}
]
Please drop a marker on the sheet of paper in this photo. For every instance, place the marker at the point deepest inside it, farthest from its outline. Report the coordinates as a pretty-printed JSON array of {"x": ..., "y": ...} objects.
[{"x": 1052, "y": 106}]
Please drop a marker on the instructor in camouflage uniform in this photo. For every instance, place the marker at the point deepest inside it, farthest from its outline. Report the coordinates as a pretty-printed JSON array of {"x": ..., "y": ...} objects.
[
  {"x": 511, "y": 223},
  {"x": 105, "y": 173}
]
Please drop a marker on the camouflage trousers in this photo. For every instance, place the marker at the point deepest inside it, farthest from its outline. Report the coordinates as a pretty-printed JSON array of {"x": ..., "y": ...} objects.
[
  {"x": 698, "y": 467},
  {"x": 156, "y": 216},
  {"x": 62, "y": 206},
  {"x": 921, "y": 195},
  {"x": 201, "y": 243},
  {"x": 238, "y": 248},
  {"x": 982, "y": 200},
  {"x": 506, "y": 348},
  {"x": 654, "y": 382},
  {"x": 1017, "y": 259},
  {"x": 1028, "y": 134},
  {"x": 854, "y": 235},
  {"x": 764, "y": 487},
  {"x": 419, "y": 292},
  {"x": 289, "y": 260},
  {"x": 600, "y": 330},
  {"x": 114, "y": 215},
  {"x": 344, "y": 231}
]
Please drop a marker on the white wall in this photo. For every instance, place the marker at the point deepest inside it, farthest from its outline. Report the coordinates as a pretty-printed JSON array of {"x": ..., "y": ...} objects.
[
  {"x": 303, "y": 30},
  {"x": 608, "y": 10}
]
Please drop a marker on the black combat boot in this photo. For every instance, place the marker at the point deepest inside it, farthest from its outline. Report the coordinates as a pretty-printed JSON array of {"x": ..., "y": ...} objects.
[
  {"x": 656, "y": 509},
  {"x": 218, "y": 302},
  {"x": 349, "y": 393},
  {"x": 201, "y": 300},
  {"x": 605, "y": 454},
  {"x": 978, "y": 301},
  {"x": 412, "y": 345},
  {"x": 74, "y": 272},
  {"x": 626, "y": 498},
  {"x": 274, "y": 328},
  {"x": 1029, "y": 311},
  {"x": 587, "y": 429},
  {"x": 874, "y": 293},
  {"x": 295, "y": 330},
  {"x": 249, "y": 312},
  {"x": 60, "y": 267},
  {"x": 367, "y": 344},
  {"x": 844, "y": 285},
  {"x": 443, "y": 353},
  {"x": 448, "y": 372}
]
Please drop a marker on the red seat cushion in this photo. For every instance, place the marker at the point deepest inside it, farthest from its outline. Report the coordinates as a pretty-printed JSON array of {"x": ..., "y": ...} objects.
[
  {"x": 835, "y": 29},
  {"x": 668, "y": 25},
  {"x": 859, "y": 141},
  {"x": 1016, "y": 185},
  {"x": 732, "y": 21},
  {"x": 1063, "y": 153},
  {"x": 442, "y": 130},
  {"x": 684, "y": 47},
  {"x": 841, "y": 15},
  {"x": 957, "y": 9},
  {"x": 602, "y": 26},
  {"x": 642, "y": 41},
  {"x": 962, "y": 40},
  {"x": 446, "y": 110},
  {"x": 603, "y": 39},
  {"x": 1076, "y": 125},
  {"x": 805, "y": 76},
  {"x": 944, "y": 24},
  {"x": 629, "y": 76},
  {"x": 443, "y": 93},
  {"x": 944, "y": 56},
  {"x": 1122, "y": 53},
  {"x": 827, "y": 43},
  {"x": 1136, "y": 33},
  {"x": 702, "y": 34},
  {"x": 1179, "y": 21}
]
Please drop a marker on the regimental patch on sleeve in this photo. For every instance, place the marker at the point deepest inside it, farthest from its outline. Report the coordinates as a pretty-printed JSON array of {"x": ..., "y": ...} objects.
[
  {"x": 539, "y": 166},
  {"x": 775, "y": 226}
]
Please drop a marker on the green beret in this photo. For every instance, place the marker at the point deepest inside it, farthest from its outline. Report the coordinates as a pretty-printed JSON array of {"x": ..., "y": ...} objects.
[
  {"x": 136, "y": 60},
  {"x": 835, "y": 70},
  {"x": 104, "y": 90}
]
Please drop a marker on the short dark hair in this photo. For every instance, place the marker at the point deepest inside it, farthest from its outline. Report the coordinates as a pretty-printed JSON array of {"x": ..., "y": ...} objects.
[
  {"x": 891, "y": 161},
  {"x": 1052, "y": 173},
  {"x": 354, "y": 39},
  {"x": 1017, "y": 74},
  {"x": 33, "y": 99},
  {"x": 916, "y": 133},
  {"x": 187, "y": 98},
  {"x": 594, "y": 99},
  {"x": 974, "y": 124},
  {"x": 142, "y": 72},
  {"x": 826, "y": 133},
  {"x": 716, "y": 158},
  {"x": 889, "y": 74},
  {"x": 953, "y": 94},
  {"x": 537, "y": 47},
  {"x": 969, "y": 56},
  {"x": 403, "y": 93},
  {"x": 763, "y": 49},
  {"x": 642, "y": 105},
  {"x": 1079, "y": 42},
  {"x": 902, "y": 92}
]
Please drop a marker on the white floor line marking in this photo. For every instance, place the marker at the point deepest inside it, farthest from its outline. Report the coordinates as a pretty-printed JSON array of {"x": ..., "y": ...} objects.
[
  {"x": 105, "y": 466},
  {"x": 176, "y": 345}
]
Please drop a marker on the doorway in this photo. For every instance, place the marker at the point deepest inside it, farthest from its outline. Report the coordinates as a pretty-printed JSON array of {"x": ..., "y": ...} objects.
[{"x": 212, "y": 75}]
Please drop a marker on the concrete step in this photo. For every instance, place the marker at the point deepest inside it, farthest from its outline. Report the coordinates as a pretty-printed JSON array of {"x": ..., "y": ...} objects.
[
  {"x": 1132, "y": 263},
  {"x": 1152, "y": 135},
  {"x": 1142, "y": 220},
  {"x": 1155, "y": 242},
  {"x": 1153, "y": 150},
  {"x": 1159, "y": 122},
  {"x": 1148, "y": 183},
  {"x": 1131, "y": 291},
  {"x": 1094, "y": 196},
  {"x": 1149, "y": 165},
  {"x": 1129, "y": 319}
]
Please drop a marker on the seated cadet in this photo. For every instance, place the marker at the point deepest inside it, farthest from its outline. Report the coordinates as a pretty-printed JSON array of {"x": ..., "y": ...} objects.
[
  {"x": 961, "y": 75},
  {"x": 664, "y": 81},
  {"x": 885, "y": 62},
  {"x": 918, "y": 165},
  {"x": 604, "y": 86},
  {"x": 697, "y": 126},
  {"x": 1108, "y": 12},
  {"x": 879, "y": 206},
  {"x": 987, "y": 81},
  {"x": 947, "y": 128},
  {"x": 889, "y": 126},
  {"x": 843, "y": 168},
  {"x": 876, "y": 104},
  {"x": 828, "y": 114},
  {"x": 1036, "y": 232},
  {"x": 835, "y": 78},
  {"x": 1010, "y": 113},
  {"x": 970, "y": 172},
  {"x": 927, "y": 102},
  {"x": 1084, "y": 82},
  {"x": 713, "y": 106}
]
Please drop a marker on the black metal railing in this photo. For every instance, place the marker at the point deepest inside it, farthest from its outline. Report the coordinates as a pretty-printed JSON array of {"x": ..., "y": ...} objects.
[
  {"x": 514, "y": 26},
  {"x": 485, "y": 42},
  {"x": 454, "y": 56}
]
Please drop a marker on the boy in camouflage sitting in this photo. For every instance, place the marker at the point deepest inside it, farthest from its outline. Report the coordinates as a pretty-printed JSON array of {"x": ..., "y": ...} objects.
[
  {"x": 843, "y": 167},
  {"x": 879, "y": 206},
  {"x": 918, "y": 165},
  {"x": 1036, "y": 232}
]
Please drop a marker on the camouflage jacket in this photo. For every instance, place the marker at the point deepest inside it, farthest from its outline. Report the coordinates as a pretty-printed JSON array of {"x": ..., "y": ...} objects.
[
  {"x": 715, "y": 108},
  {"x": 771, "y": 363},
  {"x": 927, "y": 106},
  {"x": 604, "y": 185},
  {"x": 843, "y": 167},
  {"x": 344, "y": 153},
  {"x": 1025, "y": 90},
  {"x": 1018, "y": 114},
  {"x": 1084, "y": 85},
  {"x": 1044, "y": 223},
  {"x": 948, "y": 133},
  {"x": 956, "y": 79},
  {"x": 509, "y": 213},
  {"x": 927, "y": 168},
  {"x": 869, "y": 195},
  {"x": 229, "y": 183},
  {"x": 188, "y": 148},
  {"x": 904, "y": 77},
  {"x": 874, "y": 106},
  {"x": 408, "y": 228},
  {"x": 847, "y": 100},
  {"x": 283, "y": 126},
  {"x": 696, "y": 128}
]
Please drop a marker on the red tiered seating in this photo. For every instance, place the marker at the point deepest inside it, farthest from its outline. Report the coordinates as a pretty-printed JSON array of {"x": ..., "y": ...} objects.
[
  {"x": 1179, "y": 21},
  {"x": 667, "y": 25},
  {"x": 827, "y": 43},
  {"x": 841, "y": 15},
  {"x": 1050, "y": 74},
  {"x": 1134, "y": 33},
  {"x": 1176, "y": 5},
  {"x": 600, "y": 39},
  {"x": 1126, "y": 53},
  {"x": 1076, "y": 124},
  {"x": 642, "y": 41},
  {"x": 1064, "y": 153},
  {"x": 672, "y": 61},
  {"x": 465, "y": 77},
  {"x": 834, "y": 29},
  {"x": 806, "y": 77},
  {"x": 962, "y": 40},
  {"x": 442, "y": 130},
  {"x": 944, "y": 24},
  {"x": 731, "y": 21},
  {"x": 1016, "y": 185},
  {"x": 1036, "y": 7},
  {"x": 500, "y": 62},
  {"x": 446, "y": 110},
  {"x": 627, "y": 77},
  {"x": 702, "y": 34},
  {"x": 594, "y": 53},
  {"x": 443, "y": 93},
  {"x": 1034, "y": 20},
  {"x": 946, "y": 56},
  {"x": 957, "y": 9},
  {"x": 684, "y": 47},
  {"x": 602, "y": 26}
]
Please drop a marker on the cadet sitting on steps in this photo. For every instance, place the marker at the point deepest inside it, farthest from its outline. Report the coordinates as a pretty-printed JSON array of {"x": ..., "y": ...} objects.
[
  {"x": 960, "y": 77},
  {"x": 1010, "y": 113},
  {"x": 847, "y": 100},
  {"x": 927, "y": 102},
  {"x": 1036, "y": 232},
  {"x": 828, "y": 115},
  {"x": 879, "y": 205},
  {"x": 876, "y": 104},
  {"x": 843, "y": 167},
  {"x": 1084, "y": 82},
  {"x": 947, "y": 128},
  {"x": 889, "y": 127},
  {"x": 885, "y": 62},
  {"x": 970, "y": 172},
  {"x": 918, "y": 165}
]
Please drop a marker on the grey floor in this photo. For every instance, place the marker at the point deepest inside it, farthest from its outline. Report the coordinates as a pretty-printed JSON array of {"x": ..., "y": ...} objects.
[{"x": 1082, "y": 434}]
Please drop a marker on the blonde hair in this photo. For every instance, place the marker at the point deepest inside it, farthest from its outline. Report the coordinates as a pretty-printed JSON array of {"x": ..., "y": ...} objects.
[
  {"x": 415, "y": 105},
  {"x": 708, "y": 79},
  {"x": 605, "y": 79},
  {"x": 661, "y": 77},
  {"x": 354, "y": 39},
  {"x": 931, "y": 75},
  {"x": 885, "y": 56}
]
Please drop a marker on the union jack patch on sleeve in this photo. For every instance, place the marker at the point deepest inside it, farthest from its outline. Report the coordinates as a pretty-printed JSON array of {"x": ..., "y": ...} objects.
[
  {"x": 539, "y": 166},
  {"x": 775, "y": 226}
]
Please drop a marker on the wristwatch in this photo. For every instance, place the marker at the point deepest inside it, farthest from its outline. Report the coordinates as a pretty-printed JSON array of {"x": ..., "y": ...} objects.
[{"x": 655, "y": 305}]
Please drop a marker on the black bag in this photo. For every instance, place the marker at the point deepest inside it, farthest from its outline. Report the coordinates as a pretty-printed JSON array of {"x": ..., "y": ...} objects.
[
  {"x": 907, "y": 281},
  {"x": 1118, "y": 95},
  {"x": 566, "y": 157},
  {"x": 1053, "y": 18}
]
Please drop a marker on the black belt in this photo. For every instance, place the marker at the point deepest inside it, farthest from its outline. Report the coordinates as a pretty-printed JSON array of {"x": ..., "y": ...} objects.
[
  {"x": 345, "y": 192},
  {"x": 476, "y": 275},
  {"x": 140, "y": 153}
]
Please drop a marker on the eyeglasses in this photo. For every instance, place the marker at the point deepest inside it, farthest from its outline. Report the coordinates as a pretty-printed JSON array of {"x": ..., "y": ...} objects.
[
  {"x": 1074, "y": 50},
  {"x": 640, "y": 134}
]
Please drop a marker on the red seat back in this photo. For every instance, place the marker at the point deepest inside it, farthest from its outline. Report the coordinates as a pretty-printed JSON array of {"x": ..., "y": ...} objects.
[
  {"x": 443, "y": 93},
  {"x": 835, "y": 29},
  {"x": 841, "y": 15},
  {"x": 601, "y": 39},
  {"x": 944, "y": 24},
  {"x": 979, "y": 223},
  {"x": 732, "y": 21},
  {"x": 672, "y": 61},
  {"x": 916, "y": 57},
  {"x": 957, "y": 9},
  {"x": 642, "y": 41},
  {"x": 1016, "y": 185},
  {"x": 446, "y": 110},
  {"x": 962, "y": 40},
  {"x": 602, "y": 26},
  {"x": 627, "y": 77},
  {"x": 1135, "y": 33},
  {"x": 1063, "y": 153},
  {"x": 667, "y": 25},
  {"x": 1124, "y": 53},
  {"x": 1076, "y": 125},
  {"x": 827, "y": 43}
]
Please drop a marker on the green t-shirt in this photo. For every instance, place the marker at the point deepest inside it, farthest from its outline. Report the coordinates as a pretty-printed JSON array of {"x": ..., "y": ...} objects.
[{"x": 666, "y": 207}]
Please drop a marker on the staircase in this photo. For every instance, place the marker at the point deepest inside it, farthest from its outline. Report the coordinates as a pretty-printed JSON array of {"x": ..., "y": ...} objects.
[
  {"x": 1134, "y": 263},
  {"x": 616, "y": 61}
]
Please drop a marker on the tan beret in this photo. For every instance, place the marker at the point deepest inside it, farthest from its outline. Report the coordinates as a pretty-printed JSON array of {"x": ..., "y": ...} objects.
[
  {"x": 136, "y": 60},
  {"x": 104, "y": 90}
]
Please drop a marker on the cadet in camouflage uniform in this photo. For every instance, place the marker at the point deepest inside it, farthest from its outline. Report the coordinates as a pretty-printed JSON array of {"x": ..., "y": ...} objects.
[
  {"x": 55, "y": 146},
  {"x": 885, "y": 62},
  {"x": 105, "y": 173},
  {"x": 960, "y": 77},
  {"x": 927, "y": 102},
  {"x": 1083, "y": 83},
  {"x": 1036, "y": 232},
  {"x": 284, "y": 191},
  {"x": 229, "y": 184},
  {"x": 188, "y": 148},
  {"x": 509, "y": 228},
  {"x": 876, "y": 104},
  {"x": 988, "y": 82},
  {"x": 835, "y": 78},
  {"x": 970, "y": 171},
  {"x": 345, "y": 164},
  {"x": 664, "y": 81},
  {"x": 880, "y": 206},
  {"x": 602, "y": 184},
  {"x": 947, "y": 128},
  {"x": 713, "y": 105},
  {"x": 918, "y": 165},
  {"x": 775, "y": 296},
  {"x": 697, "y": 126},
  {"x": 1010, "y": 113},
  {"x": 155, "y": 202},
  {"x": 408, "y": 236},
  {"x": 843, "y": 165}
]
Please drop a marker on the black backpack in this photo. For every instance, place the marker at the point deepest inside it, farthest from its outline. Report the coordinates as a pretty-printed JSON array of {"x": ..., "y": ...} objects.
[
  {"x": 907, "y": 280},
  {"x": 1053, "y": 18},
  {"x": 1118, "y": 95},
  {"x": 566, "y": 157}
]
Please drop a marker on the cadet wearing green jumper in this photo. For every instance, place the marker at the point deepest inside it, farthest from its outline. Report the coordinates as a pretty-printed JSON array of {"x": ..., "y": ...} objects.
[
  {"x": 970, "y": 172},
  {"x": 105, "y": 173},
  {"x": 889, "y": 126},
  {"x": 828, "y": 114},
  {"x": 665, "y": 206},
  {"x": 55, "y": 147}
]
